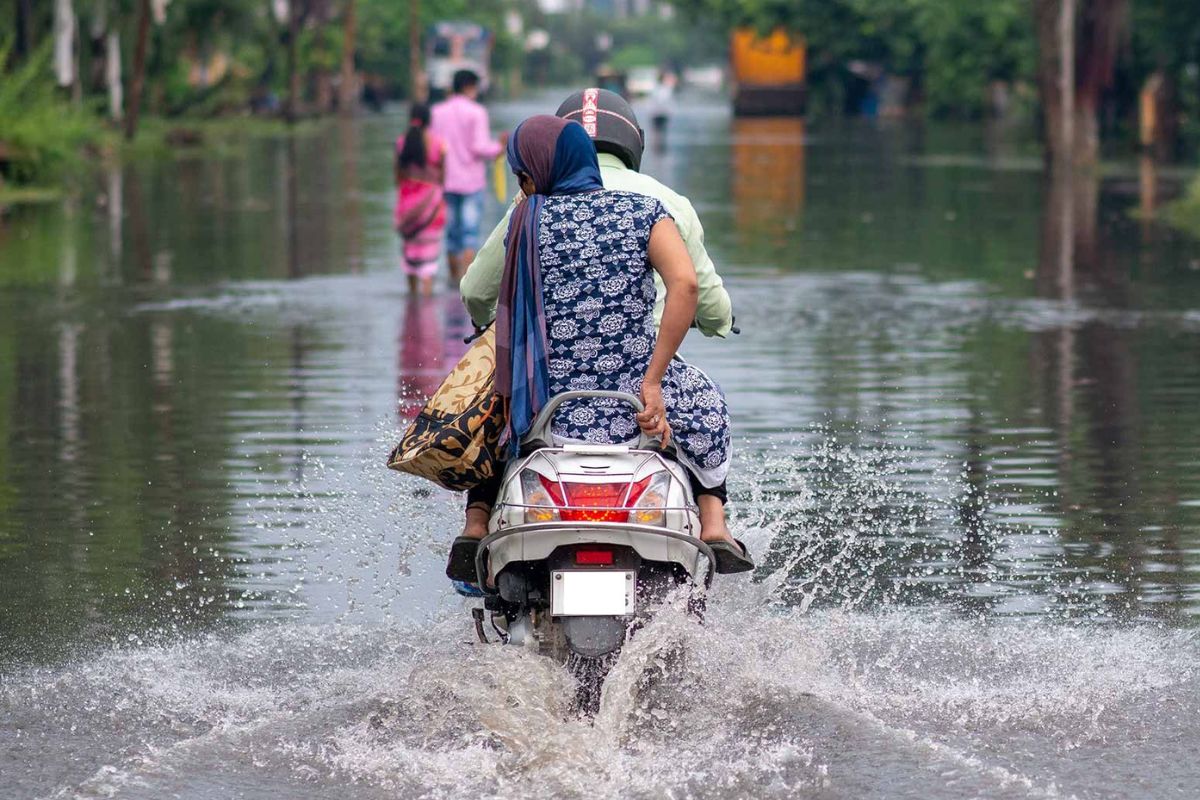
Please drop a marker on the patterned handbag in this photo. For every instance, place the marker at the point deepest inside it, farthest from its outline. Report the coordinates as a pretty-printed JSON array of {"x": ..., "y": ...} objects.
[{"x": 453, "y": 441}]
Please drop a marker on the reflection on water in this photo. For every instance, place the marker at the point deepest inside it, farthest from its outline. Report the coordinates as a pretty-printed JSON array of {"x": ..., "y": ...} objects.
[
  {"x": 962, "y": 389},
  {"x": 766, "y": 173},
  {"x": 432, "y": 334},
  {"x": 1093, "y": 372}
]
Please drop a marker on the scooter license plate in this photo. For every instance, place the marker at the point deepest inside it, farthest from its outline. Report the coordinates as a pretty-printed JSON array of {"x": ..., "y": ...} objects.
[{"x": 592, "y": 593}]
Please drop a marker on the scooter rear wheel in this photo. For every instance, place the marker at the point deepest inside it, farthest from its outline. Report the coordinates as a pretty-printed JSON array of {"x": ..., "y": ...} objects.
[{"x": 589, "y": 674}]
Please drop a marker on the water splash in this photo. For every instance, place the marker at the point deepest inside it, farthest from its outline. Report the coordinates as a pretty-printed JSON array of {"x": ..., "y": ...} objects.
[{"x": 774, "y": 703}]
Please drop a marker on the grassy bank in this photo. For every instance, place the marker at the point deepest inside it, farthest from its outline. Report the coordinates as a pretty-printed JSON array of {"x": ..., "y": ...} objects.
[
  {"x": 18, "y": 195},
  {"x": 45, "y": 136},
  {"x": 167, "y": 135},
  {"x": 42, "y": 135},
  {"x": 1184, "y": 213}
]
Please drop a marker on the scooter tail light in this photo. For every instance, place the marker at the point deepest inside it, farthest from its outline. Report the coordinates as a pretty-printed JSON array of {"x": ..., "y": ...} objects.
[
  {"x": 595, "y": 502},
  {"x": 641, "y": 501},
  {"x": 540, "y": 497},
  {"x": 649, "y": 506}
]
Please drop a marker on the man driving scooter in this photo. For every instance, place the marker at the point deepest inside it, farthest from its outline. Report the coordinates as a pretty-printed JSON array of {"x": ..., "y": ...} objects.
[{"x": 619, "y": 142}]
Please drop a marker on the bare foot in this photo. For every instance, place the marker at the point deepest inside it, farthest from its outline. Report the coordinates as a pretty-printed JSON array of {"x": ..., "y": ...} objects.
[
  {"x": 475, "y": 526},
  {"x": 712, "y": 520}
]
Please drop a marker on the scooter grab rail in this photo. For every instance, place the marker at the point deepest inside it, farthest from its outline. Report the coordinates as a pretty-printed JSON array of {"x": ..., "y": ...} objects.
[
  {"x": 485, "y": 544},
  {"x": 539, "y": 430}
]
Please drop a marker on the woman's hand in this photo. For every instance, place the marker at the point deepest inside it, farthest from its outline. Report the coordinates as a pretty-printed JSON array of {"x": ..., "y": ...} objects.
[{"x": 653, "y": 420}]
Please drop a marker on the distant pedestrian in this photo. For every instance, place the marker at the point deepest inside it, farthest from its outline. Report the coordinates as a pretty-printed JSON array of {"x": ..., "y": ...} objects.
[
  {"x": 662, "y": 100},
  {"x": 463, "y": 123},
  {"x": 420, "y": 200}
]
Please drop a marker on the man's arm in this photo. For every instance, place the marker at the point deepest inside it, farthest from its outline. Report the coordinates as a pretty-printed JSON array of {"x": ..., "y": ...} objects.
[
  {"x": 483, "y": 146},
  {"x": 714, "y": 312},
  {"x": 480, "y": 287}
]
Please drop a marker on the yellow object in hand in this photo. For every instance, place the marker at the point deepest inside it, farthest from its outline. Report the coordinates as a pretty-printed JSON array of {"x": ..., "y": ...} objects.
[{"x": 500, "y": 179}]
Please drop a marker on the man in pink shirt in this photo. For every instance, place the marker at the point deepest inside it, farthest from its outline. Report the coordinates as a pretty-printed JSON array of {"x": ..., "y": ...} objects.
[{"x": 463, "y": 123}]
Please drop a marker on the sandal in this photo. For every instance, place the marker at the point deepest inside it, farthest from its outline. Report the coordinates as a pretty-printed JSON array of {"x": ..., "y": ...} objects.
[
  {"x": 729, "y": 559},
  {"x": 461, "y": 564}
]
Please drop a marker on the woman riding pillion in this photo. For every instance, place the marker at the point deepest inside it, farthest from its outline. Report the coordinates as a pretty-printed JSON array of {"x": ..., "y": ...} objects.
[
  {"x": 617, "y": 136},
  {"x": 576, "y": 311}
]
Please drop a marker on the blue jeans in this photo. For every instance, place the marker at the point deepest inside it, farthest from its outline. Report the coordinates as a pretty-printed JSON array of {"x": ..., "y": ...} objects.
[{"x": 463, "y": 215}]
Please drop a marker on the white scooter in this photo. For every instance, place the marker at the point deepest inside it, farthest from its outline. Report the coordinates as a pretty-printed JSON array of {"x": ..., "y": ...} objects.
[{"x": 583, "y": 542}]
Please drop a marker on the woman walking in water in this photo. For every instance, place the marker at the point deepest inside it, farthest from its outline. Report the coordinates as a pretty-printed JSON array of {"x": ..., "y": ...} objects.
[{"x": 420, "y": 204}]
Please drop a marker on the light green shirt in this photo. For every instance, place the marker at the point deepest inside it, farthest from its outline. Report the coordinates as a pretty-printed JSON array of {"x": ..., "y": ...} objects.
[{"x": 714, "y": 313}]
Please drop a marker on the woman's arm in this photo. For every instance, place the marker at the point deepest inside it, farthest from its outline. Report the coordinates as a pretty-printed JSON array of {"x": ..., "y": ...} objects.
[{"x": 669, "y": 258}]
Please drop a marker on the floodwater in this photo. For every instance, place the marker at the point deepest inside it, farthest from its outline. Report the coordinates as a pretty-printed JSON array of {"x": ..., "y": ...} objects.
[{"x": 965, "y": 410}]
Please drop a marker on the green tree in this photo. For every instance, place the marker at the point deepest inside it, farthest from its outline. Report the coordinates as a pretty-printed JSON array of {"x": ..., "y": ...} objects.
[
  {"x": 949, "y": 50},
  {"x": 40, "y": 132}
]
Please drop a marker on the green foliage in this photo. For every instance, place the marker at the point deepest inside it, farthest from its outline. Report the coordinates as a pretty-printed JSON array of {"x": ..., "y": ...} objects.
[
  {"x": 969, "y": 45},
  {"x": 575, "y": 52},
  {"x": 1184, "y": 213},
  {"x": 208, "y": 58},
  {"x": 383, "y": 33},
  {"x": 40, "y": 132},
  {"x": 634, "y": 55},
  {"x": 1165, "y": 35},
  {"x": 951, "y": 49}
]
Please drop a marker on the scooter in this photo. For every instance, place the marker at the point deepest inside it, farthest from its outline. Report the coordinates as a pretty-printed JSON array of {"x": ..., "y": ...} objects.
[{"x": 583, "y": 543}]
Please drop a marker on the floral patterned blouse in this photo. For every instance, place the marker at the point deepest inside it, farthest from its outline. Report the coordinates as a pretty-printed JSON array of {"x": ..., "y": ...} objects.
[{"x": 598, "y": 293}]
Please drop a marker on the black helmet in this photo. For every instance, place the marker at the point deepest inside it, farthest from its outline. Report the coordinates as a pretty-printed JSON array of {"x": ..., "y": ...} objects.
[{"x": 610, "y": 122}]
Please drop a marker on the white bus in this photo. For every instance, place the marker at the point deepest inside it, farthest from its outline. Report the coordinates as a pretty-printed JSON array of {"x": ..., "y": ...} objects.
[{"x": 451, "y": 46}]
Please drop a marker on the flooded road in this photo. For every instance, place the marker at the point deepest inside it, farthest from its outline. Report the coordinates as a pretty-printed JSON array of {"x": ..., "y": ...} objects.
[{"x": 964, "y": 406}]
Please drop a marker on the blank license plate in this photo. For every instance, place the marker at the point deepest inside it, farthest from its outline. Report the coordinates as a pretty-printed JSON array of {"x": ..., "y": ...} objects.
[{"x": 592, "y": 593}]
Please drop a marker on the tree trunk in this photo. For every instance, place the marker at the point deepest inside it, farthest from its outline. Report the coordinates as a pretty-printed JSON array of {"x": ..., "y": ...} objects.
[
  {"x": 322, "y": 78},
  {"x": 97, "y": 29},
  {"x": 1077, "y": 56},
  {"x": 65, "y": 30},
  {"x": 323, "y": 91},
  {"x": 112, "y": 76},
  {"x": 24, "y": 43},
  {"x": 348, "y": 91},
  {"x": 1103, "y": 25},
  {"x": 104, "y": 51},
  {"x": 417, "y": 87},
  {"x": 1054, "y": 26},
  {"x": 293, "y": 97},
  {"x": 139, "y": 69}
]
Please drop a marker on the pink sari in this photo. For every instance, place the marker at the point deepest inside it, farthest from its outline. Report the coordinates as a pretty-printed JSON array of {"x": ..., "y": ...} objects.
[{"x": 421, "y": 212}]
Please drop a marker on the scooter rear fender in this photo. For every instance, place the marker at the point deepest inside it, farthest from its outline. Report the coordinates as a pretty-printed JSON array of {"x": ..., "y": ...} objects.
[{"x": 537, "y": 541}]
